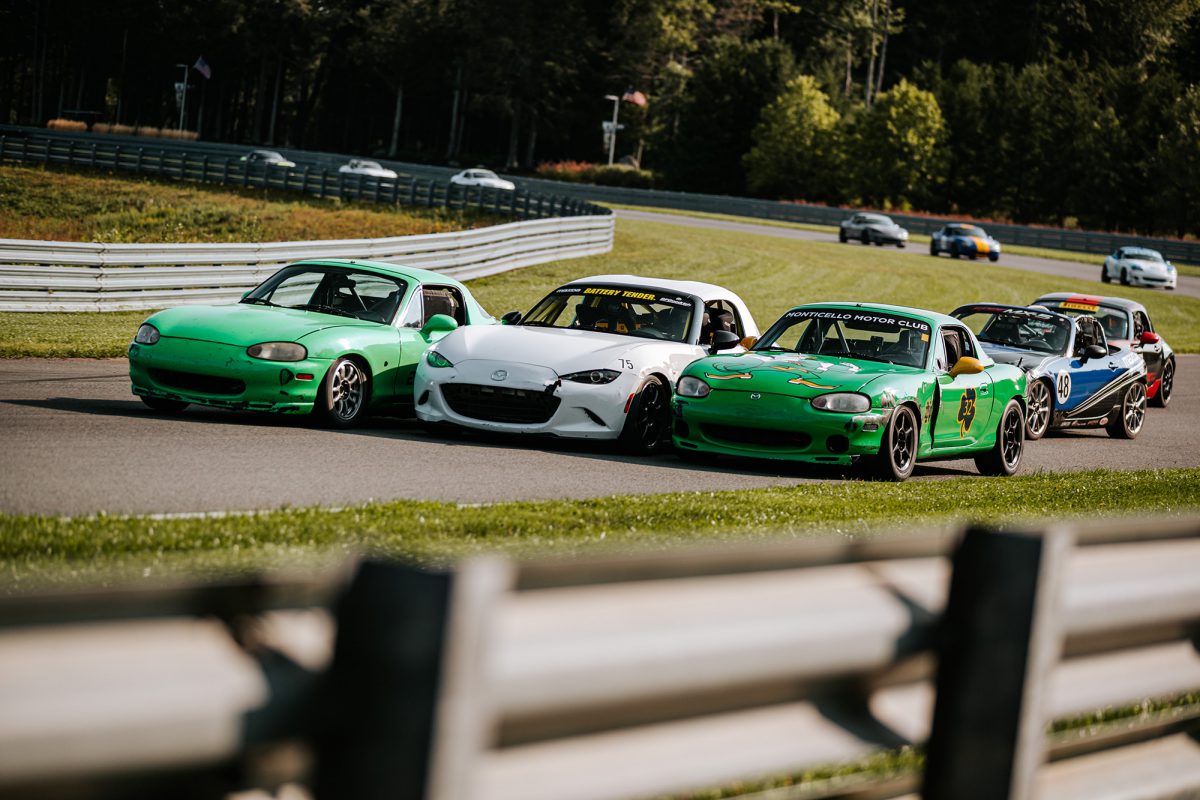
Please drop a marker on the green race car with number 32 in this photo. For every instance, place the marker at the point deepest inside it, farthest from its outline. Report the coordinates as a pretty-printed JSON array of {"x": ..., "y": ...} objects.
[{"x": 835, "y": 383}]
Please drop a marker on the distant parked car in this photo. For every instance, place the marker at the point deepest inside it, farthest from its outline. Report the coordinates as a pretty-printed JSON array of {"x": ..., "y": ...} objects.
[
  {"x": 359, "y": 166},
  {"x": 959, "y": 239},
  {"x": 268, "y": 158},
  {"x": 482, "y": 177},
  {"x": 1139, "y": 266},
  {"x": 877, "y": 229}
]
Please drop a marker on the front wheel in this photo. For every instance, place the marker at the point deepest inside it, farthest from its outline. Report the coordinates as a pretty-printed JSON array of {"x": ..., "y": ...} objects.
[
  {"x": 842, "y": 235},
  {"x": 1166, "y": 385},
  {"x": 993, "y": 257},
  {"x": 898, "y": 450},
  {"x": 1104, "y": 278},
  {"x": 342, "y": 398},
  {"x": 1040, "y": 405},
  {"x": 1131, "y": 414},
  {"x": 865, "y": 238},
  {"x": 1124, "y": 277},
  {"x": 646, "y": 427},
  {"x": 933, "y": 248},
  {"x": 954, "y": 251},
  {"x": 164, "y": 405},
  {"x": 1005, "y": 456}
]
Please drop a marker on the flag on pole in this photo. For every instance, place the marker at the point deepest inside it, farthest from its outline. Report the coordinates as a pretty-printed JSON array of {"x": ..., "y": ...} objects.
[
  {"x": 202, "y": 67},
  {"x": 635, "y": 97}
]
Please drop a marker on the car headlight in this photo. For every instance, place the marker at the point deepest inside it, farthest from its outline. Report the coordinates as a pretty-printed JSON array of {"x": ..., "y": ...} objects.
[
  {"x": 593, "y": 376},
  {"x": 147, "y": 334},
  {"x": 277, "y": 351},
  {"x": 844, "y": 402},
  {"x": 435, "y": 359},
  {"x": 692, "y": 387}
]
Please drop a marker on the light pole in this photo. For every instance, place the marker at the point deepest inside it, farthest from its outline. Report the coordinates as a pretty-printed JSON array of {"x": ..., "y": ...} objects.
[
  {"x": 183, "y": 102},
  {"x": 612, "y": 135}
]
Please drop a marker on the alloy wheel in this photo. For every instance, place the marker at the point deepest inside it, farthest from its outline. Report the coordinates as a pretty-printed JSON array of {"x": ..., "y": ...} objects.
[
  {"x": 1039, "y": 410},
  {"x": 346, "y": 391}
]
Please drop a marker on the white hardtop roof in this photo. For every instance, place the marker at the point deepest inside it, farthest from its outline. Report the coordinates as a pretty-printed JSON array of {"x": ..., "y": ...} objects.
[{"x": 703, "y": 290}]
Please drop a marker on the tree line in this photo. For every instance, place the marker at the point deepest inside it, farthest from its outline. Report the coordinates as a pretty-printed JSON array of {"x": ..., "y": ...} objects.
[{"x": 1038, "y": 111}]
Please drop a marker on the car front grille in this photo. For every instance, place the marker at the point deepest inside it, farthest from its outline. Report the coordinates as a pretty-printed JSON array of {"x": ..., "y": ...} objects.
[
  {"x": 194, "y": 382},
  {"x": 759, "y": 437},
  {"x": 499, "y": 403}
]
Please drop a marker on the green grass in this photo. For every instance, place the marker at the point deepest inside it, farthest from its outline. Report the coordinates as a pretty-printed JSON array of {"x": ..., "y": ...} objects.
[
  {"x": 52, "y": 548},
  {"x": 47, "y": 202}
]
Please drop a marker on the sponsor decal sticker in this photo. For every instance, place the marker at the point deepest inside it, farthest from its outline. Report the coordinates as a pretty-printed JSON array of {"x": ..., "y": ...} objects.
[
  {"x": 966, "y": 411},
  {"x": 858, "y": 316},
  {"x": 1080, "y": 306},
  {"x": 741, "y": 376}
]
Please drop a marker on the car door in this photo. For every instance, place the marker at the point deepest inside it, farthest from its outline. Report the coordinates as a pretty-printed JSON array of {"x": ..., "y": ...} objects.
[
  {"x": 1152, "y": 354},
  {"x": 427, "y": 300},
  {"x": 964, "y": 402},
  {"x": 1084, "y": 377}
]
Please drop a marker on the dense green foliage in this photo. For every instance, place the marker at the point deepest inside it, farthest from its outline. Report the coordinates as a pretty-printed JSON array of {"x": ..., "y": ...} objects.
[{"x": 1052, "y": 111}]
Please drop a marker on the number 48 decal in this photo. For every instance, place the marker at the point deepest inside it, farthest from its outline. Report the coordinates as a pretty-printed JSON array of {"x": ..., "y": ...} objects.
[{"x": 1062, "y": 388}]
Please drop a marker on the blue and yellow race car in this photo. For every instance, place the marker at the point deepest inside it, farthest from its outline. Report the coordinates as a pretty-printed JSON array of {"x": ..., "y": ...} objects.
[
  {"x": 1076, "y": 378},
  {"x": 960, "y": 239}
]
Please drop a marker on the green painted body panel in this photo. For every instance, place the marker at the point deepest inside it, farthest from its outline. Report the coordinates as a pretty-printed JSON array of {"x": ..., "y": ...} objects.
[
  {"x": 211, "y": 342},
  {"x": 760, "y": 404}
]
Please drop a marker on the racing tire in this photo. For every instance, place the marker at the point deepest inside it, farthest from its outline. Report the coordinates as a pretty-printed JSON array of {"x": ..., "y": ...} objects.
[
  {"x": 865, "y": 238},
  {"x": 933, "y": 248},
  {"x": 647, "y": 427},
  {"x": 1124, "y": 277},
  {"x": 1166, "y": 385},
  {"x": 901, "y": 245},
  {"x": 842, "y": 235},
  {"x": 1041, "y": 407},
  {"x": 993, "y": 257},
  {"x": 1004, "y": 459},
  {"x": 343, "y": 395},
  {"x": 898, "y": 449},
  {"x": 164, "y": 405},
  {"x": 954, "y": 251},
  {"x": 878, "y": 242},
  {"x": 1131, "y": 414},
  {"x": 1104, "y": 277}
]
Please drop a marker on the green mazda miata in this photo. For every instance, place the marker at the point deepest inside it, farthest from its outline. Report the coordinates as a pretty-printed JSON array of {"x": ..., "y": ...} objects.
[
  {"x": 332, "y": 338},
  {"x": 839, "y": 382}
]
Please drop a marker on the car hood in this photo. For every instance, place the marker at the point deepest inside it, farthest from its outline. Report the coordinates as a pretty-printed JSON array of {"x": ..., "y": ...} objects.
[
  {"x": 791, "y": 373},
  {"x": 562, "y": 349},
  {"x": 1027, "y": 360},
  {"x": 1152, "y": 266},
  {"x": 243, "y": 325}
]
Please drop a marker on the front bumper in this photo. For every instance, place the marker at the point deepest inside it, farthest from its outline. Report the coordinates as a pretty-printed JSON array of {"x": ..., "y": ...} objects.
[
  {"x": 774, "y": 426},
  {"x": 222, "y": 376},
  {"x": 1150, "y": 279},
  {"x": 470, "y": 395}
]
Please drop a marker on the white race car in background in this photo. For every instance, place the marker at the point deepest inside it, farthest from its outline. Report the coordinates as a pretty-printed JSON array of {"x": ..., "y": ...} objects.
[
  {"x": 1139, "y": 266},
  {"x": 361, "y": 166},
  {"x": 482, "y": 177},
  {"x": 594, "y": 359}
]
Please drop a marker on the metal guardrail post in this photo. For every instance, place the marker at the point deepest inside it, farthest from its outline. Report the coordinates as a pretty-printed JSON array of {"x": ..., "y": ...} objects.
[
  {"x": 1000, "y": 638},
  {"x": 376, "y": 735}
]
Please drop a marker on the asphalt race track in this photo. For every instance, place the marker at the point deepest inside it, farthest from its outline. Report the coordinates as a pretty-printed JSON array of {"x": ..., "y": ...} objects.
[
  {"x": 1188, "y": 285},
  {"x": 77, "y": 442}
]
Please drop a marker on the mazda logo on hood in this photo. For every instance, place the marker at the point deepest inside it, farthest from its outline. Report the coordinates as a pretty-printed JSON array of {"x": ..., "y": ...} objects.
[{"x": 499, "y": 374}]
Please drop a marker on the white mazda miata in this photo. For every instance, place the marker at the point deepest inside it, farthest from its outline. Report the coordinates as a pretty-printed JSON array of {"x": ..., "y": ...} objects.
[{"x": 594, "y": 359}]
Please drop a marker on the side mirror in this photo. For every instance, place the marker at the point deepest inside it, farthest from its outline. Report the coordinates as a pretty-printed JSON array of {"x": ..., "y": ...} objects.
[
  {"x": 438, "y": 323},
  {"x": 966, "y": 366},
  {"x": 1093, "y": 351},
  {"x": 511, "y": 318},
  {"x": 724, "y": 340},
  {"x": 1149, "y": 337}
]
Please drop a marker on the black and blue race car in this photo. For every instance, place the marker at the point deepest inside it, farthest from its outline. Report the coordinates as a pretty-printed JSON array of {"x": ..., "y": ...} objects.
[
  {"x": 961, "y": 239},
  {"x": 1076, "y": 378}
]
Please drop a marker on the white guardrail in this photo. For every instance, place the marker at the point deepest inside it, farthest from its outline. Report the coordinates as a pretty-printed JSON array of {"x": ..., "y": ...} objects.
[{"x": 79, "y": 276}]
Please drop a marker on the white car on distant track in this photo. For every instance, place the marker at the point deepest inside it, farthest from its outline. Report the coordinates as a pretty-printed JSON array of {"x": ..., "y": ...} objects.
[
  {"x": 268, "y": 158},
  {"x": 1139, "y": 266},
  {"x": 596, "y": 358},
  {"x": 482, "y": 177},
  {"x": 373, "y": 169}
]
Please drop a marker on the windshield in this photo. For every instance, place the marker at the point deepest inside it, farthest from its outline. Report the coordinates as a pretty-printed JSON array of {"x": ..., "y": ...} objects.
[
  {"x": 332, "y": 290},
  {"x": 1115, "y": 321},
  {"x": 1144, "y": 255},
  {"x": 624, "y": 310},
  {"x": 864, "y": 334},
  {"x": 966, "y": 230},
  {"x": 877, "y": 219},
  {"x": 1029, "y": 330}
]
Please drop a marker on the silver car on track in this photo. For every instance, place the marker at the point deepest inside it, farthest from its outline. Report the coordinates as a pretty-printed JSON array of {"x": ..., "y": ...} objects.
[{"x": 877, "y": 229}]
